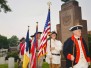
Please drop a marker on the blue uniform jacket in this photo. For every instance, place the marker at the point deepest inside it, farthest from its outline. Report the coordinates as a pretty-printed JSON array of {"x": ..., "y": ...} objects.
[{"x": 68, "y": 49}]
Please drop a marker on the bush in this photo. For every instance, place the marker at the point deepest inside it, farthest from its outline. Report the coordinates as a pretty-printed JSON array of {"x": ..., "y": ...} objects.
[
  {"x": 13, "y": 54},
  {"x": 45, "y": 65}
]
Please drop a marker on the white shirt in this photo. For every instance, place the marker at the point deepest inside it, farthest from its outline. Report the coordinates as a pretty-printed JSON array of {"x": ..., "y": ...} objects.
[{"x": 58, "y": 47}]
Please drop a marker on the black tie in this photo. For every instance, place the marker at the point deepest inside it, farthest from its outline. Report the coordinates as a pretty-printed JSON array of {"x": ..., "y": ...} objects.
[{"x": 78, "y": 38}]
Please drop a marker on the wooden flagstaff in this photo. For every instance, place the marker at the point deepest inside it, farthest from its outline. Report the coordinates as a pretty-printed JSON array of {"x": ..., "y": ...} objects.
[
  {"x": 37, "y": 45},
  {"x": 29, "y": 50},
  {"x": 49, "y": 3},
  {"x": 73, "y": 53},
  {"x": 29, "y": 41}
]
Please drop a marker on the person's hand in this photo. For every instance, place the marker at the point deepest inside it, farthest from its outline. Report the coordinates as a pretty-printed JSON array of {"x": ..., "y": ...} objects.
[
  {"x": 72, "y": 58},
  {"x": 51, "y": 59},
  {"x": 52, "y": 48},
  {"x": 88, "y": 63}
]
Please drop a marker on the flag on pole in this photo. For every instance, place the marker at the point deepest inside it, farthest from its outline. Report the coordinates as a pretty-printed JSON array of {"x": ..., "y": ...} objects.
[
  {"x": 43, "y": 43},
  {"x": 26, "y": 51},
  {"x": 33, "y": 50}
]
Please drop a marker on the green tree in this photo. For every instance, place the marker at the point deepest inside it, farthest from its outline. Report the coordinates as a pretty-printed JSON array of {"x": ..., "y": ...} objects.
[
  {"x": 4, "y": 6},
  {"x": 89, "y": 43},
  {"x": 13, "y": 41},
  {"x": 3, "y": 42},
  {"x": 64, "y": 0},
  {"x": 89, "y": 39}
]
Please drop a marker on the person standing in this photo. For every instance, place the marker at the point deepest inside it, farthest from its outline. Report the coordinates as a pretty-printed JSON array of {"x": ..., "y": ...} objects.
[
  {"x": 21, "y": 48},
  {"x": 39, "y": 61},
  {"x": 53, "y": 50},
  {"x": 75, "y": 49},
  {"x": 31, "y": 41}
]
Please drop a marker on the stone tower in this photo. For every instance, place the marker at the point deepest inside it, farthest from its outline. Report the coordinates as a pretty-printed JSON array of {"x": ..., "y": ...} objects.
[{"x": 70, "y": 15}]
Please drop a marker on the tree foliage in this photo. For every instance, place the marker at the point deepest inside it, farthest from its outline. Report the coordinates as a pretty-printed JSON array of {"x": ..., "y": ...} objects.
[
  {"x": 4, "y": 6},
  {"x": 89, "y": 43},
  {"x": 13, "y": 41},
  {"x": 13, "y": 54},
  {"x": 64, "y": 0},
  {"x": 89, "y": 39},
  {"x": 3, "y": 42}
]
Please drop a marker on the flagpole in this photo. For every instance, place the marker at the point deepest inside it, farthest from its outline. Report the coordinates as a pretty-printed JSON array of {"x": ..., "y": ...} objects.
[
  {"x": 73, "y": 53},
  {"x": 29, "y": 41},
  {"x": 29, "y": 49},
  {"x": 49, "y": 3},
  {"x": 37, "y": 46}
]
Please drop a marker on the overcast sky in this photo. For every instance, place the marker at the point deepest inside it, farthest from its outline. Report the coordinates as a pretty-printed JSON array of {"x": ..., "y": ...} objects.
[{"x": 28, "y": 12}]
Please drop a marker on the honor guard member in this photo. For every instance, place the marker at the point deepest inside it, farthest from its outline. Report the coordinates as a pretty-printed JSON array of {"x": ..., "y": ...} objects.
[
  {"x": 38, "y": 37},
  {"x": 75, "y": 50},
  {"x": 40, "y": 61},
  {"x": 21, "y": 48},
  {"x": 32, "y": 40},
  {"x": 53, "y": 50}
]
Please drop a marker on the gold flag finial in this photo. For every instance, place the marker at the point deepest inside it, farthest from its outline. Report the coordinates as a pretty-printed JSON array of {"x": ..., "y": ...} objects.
[{"x": 49, "y": 3}]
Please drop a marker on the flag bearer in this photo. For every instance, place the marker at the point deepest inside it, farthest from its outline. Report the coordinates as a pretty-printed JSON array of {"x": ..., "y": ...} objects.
[{"x": 54, "y": 48}]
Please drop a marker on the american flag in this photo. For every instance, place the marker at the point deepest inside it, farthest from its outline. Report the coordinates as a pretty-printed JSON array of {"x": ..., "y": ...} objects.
[
  {"x": 33, "y": 50},
  {"x": 43, "y": 43}
]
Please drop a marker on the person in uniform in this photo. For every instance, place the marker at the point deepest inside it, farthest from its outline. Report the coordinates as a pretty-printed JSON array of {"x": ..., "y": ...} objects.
[
  {"x": 31, "y": 41},
  {"x": 21, "y": 48},
  {"x": 39, "y": 61},
  {"x": 75, "y": 49},
  {"x": 53, "y": 50},
  {"x": 38, "y": 37}
]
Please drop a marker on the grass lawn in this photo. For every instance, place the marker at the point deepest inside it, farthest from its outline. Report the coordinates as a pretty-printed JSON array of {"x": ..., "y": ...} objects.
[
  {"x": 6, "y": 65},
  {"x": 45, "y": 65},
  {"x": 3, "y": 65}
]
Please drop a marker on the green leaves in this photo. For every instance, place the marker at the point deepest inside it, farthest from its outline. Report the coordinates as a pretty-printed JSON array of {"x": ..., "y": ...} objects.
[
  {"x": 4, "y": 6},
  {"x": 13, "y": 41},
  {"x": 89, "y": 39},
  {"x": 5, "y": 43},
  {"x": 64, "y": 0}
]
